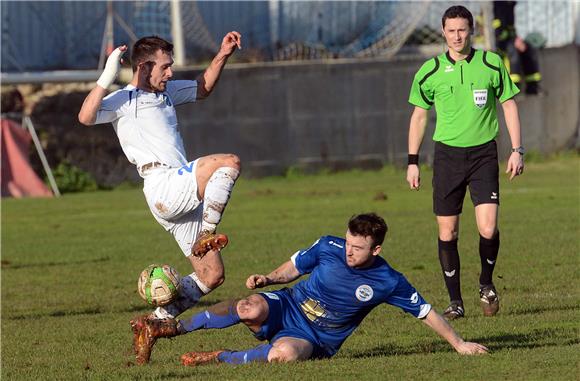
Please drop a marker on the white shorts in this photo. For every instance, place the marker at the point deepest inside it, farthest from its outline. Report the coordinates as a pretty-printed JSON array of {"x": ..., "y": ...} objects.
[{"x": 171, "y": 194}]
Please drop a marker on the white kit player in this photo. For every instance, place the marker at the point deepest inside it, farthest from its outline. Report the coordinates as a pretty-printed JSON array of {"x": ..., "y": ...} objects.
[{"x": 186, "y": 198}]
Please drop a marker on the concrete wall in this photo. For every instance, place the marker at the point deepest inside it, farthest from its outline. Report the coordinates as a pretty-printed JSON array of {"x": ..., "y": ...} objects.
[
  {"x": 308, "y": 115},
  {"x": 351, "y": 114},
  {"x": 551, "y": 122}
]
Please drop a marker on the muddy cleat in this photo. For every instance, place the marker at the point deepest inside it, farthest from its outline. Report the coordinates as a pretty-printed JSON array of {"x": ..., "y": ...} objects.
[
  {"x": 208, "y": 242},
  {"x": 454, "y": 311},
  {"x": 489, "y": 300},
  {"x": 200, "y": 358},
  {"x": 146, "y": 331},
  {"x": 137, "y": 325}
]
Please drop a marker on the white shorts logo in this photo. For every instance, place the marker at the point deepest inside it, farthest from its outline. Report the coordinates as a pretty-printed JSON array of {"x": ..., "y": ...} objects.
[
  {"x": 480, "y": 97},
  {"x": 364, "y": 293},
  {"x": 271, "y": 295}
]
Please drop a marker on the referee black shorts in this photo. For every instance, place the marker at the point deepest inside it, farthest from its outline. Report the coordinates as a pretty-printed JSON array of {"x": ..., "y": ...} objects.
[{"x": 456, "y": 168}]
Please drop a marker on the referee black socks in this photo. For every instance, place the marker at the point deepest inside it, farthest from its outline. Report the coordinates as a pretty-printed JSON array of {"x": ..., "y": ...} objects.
[
  {"x": 488, "y": 250},
  {"x": 449, "y": 259}
]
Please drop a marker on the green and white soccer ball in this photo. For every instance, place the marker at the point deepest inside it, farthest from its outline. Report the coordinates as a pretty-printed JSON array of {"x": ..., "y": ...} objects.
[{"x": 158, "y": 285}]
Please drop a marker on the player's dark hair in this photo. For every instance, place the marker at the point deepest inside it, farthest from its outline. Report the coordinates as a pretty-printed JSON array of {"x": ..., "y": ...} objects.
[
  {"x": 457, "y": 11},
  {"x": 146, "y": 47},
  {"x": 369, "y": 225}
]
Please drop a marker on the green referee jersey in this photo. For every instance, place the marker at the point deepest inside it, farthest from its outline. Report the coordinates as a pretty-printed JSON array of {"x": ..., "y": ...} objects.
[{"x": 464, "y": 95}]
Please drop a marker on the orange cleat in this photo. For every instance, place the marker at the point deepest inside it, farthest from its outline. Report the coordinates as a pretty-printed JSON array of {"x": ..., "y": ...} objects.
[
  {"x": 208, "y": 242},
  {"x": 146, "y": 331},
  {"x": 200, "y": 358}
]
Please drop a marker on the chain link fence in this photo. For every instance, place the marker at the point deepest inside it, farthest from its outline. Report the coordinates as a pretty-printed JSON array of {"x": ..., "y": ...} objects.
[{"x": 39, "y": 36}]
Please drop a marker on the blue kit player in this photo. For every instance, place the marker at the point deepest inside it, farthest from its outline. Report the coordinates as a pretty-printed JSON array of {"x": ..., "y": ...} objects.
[{"x": 313, "y": 318}]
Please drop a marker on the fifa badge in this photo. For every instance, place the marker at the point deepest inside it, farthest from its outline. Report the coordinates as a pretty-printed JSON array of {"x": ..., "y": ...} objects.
[{"x": 480, "y": 97}]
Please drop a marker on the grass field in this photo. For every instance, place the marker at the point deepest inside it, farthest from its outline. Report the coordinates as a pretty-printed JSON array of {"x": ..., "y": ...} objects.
[{"x": 70, "y": 268}]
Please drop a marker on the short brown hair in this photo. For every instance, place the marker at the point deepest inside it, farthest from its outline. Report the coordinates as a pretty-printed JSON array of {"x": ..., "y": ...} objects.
[
  {"x": 146, "y": 47},
  {"x": 458, "y": 11},
  {"x": 369, "y": 225}
]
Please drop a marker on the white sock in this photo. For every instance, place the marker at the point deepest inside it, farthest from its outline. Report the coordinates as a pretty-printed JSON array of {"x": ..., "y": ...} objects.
[
  {"x": 191, "y": 289},
  {"x": 217, "y": 193}
]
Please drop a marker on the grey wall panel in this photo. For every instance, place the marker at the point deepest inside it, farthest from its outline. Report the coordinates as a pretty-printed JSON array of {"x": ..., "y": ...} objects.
[{"x": 326, "y": 114}]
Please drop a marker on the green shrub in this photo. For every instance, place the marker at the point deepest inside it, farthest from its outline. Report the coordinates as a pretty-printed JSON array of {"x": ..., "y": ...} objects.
[{"x": 73, "y": 179}]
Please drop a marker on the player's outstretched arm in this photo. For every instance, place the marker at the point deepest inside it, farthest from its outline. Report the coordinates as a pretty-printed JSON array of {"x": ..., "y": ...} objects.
[
  {"x": 515, "y": 164},
  {"x": 286, "y": 273},
  {"x": 92, "y": 103},
  {"x": 417, "y": 127},
  {"x": 207, "y": 80},
  {"x": 438, "y": 324}
]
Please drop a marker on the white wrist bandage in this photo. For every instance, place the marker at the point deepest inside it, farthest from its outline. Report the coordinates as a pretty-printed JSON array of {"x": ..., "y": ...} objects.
[{"x": 111, "y": 69}]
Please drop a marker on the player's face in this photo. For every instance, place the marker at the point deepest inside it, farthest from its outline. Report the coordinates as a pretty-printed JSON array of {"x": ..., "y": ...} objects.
[
  {"x": 159, "y": 71},
  {"x": 457, "y": 35},
  {"x": 360, "y": 251}
]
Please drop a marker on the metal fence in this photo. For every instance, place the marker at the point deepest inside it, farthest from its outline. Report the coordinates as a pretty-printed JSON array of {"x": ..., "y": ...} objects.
[{"x": 39, "y": 36}]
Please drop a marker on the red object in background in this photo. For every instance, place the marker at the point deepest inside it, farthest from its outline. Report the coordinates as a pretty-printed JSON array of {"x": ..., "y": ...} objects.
[
  {"x": 18, "y": 177},
  {"x": 110, "y": 48}
]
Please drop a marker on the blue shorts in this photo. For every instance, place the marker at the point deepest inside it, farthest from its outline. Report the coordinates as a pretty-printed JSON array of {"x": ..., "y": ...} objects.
[{"x": 285, "y": 319}]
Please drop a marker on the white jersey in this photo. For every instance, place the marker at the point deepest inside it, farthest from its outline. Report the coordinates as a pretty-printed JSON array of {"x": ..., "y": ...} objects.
[{"x": 146, "y": 123}]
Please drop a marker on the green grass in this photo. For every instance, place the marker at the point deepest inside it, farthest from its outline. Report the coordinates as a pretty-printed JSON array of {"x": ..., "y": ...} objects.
[{"x": 70, "y": 268}]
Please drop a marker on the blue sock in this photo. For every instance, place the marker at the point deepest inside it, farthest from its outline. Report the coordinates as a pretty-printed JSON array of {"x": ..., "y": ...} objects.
[
  {"x": 208, "y": 320},
  {"x": 257, "y": 354}
]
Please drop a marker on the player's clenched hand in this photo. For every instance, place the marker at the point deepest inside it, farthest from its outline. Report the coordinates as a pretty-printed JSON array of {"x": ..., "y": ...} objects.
[
  {"x": 413, "y": 177},
  {"x": 256, "y": 281},
  {"x": 112, "y": 67},
  {"x": 230, "y": 42},
  {"x": 515, "y": 165},
  {"x": 468, "y": 348}
]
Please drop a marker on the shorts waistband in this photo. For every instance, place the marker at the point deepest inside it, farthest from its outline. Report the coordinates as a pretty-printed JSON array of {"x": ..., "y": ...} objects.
[
  {"x": 463, "y": 149},
  {"x": 149, "y": 166}
]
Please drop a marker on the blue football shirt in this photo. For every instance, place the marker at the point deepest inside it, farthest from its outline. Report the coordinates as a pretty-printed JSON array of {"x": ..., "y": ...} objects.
[{"x": 335, "y": 298}]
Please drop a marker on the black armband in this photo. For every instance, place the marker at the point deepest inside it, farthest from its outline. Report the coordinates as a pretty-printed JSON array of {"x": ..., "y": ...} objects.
[{"x": 413, "y": 159}]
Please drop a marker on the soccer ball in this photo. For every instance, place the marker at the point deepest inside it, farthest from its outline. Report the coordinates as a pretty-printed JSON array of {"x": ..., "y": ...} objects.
[{"x": 158, "y": 285}]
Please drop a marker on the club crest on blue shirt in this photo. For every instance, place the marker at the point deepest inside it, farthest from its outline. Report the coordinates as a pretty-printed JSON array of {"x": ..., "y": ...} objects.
[{"x": 364, "y": 293}]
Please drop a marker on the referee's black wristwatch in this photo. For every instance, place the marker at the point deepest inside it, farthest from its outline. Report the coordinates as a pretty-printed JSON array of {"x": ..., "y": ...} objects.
[{"x": 519, "y": 150}]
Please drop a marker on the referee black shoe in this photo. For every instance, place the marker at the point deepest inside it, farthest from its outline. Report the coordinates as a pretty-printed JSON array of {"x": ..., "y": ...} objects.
[
  {"x": 489, "y": 300},
  {"x": 454, "y": 311}
]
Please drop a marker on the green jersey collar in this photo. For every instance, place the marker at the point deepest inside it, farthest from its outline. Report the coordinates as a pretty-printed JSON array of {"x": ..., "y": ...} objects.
[{"x": 468, "y": 58}]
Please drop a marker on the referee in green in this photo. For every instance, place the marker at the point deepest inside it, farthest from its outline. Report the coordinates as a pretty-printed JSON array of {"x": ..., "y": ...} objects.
[{"x": 463, "y": 84}]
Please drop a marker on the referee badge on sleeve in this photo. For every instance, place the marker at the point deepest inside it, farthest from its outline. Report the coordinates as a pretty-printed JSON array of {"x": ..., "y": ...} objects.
[{"x": 480, "y": 97}]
